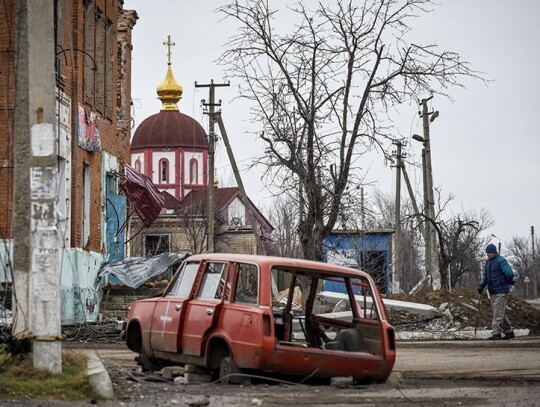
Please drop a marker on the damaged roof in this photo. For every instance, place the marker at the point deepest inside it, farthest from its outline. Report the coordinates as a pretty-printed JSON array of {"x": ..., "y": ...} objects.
[{"x": 143, "y": 195}]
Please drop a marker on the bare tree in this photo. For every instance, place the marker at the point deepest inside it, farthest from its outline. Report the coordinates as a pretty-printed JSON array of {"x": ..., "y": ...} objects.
[
  {"x": 523, "y": 261},
  {"x": 460, "y": 243},
  {"x": 194, "y": 220},
  {"x": 322, "y": 92},
  {"x": 284, "y": 217},
  {"x": 195, "y": 226}
]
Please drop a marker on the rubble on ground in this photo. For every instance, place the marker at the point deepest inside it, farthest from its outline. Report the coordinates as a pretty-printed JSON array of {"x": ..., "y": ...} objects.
[
  {"x": 462, "y": 310},
  {"x": 105, "y": 331}
]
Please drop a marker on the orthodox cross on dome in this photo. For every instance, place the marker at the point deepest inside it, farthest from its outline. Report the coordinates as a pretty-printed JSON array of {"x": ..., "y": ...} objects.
[
  {"x": 169, "y": 44},
  {"x": 169, "y": 91}
]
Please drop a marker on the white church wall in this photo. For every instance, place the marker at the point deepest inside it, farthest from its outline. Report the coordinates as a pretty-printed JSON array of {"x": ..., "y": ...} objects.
[
  {"x": 157, "y": 156},
  {"x": 188, "y": 156}
]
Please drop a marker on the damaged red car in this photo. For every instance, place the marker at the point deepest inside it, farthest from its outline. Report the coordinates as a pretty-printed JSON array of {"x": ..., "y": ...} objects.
[{"x": 230, "y": 313}]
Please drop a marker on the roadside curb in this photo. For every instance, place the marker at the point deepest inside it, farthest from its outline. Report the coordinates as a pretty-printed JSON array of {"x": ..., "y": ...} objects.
[{"x": 98, "y": 376}]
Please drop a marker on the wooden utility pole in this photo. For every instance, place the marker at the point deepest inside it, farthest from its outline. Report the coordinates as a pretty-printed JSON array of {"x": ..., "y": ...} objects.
[
  {"x": 396, "y": 281},
  {"x": 249, "y": 209},
  {"x": 211, "y": 159},
  {"x": 413, "y": 199},
  {"x": 431, "y": 242},
  {"x": 37, "y": 243}
]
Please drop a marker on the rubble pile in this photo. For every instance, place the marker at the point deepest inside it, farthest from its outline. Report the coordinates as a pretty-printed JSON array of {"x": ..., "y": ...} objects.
[
  {"x": 462, "y": 309},
  {"x": 105, "y": 331}
]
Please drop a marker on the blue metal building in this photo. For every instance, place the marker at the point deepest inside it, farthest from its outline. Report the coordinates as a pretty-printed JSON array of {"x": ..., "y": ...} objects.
[{"x": 370, "y": 251}]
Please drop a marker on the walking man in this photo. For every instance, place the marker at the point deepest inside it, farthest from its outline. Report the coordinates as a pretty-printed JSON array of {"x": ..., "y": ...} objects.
[{"x": 499, "y": 278}]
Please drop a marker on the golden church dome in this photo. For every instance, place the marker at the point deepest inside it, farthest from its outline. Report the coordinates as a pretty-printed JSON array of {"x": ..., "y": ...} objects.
[{"x": 169, "y": 91}]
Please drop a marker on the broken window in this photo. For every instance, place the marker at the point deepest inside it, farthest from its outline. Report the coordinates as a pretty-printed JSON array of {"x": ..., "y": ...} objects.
[
  {"x": 99, "y": 58},
  {"x": 247, "y": 284},
  {"x": 109, "y": 72},
  {"x": 89, "y": 48},
  {"x": 214, "y": 281},
  {"x": 156, "y": 244},
  {"x": 305, "y": 315},
  {"x": 184, "y": 283}
]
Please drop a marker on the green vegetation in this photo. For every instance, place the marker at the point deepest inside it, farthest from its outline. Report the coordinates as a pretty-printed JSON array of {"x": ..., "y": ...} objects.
[{"x": 19, "y": 380}]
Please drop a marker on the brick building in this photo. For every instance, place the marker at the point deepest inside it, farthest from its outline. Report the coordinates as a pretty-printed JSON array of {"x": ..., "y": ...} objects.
[{"x": 93, "y": 93}]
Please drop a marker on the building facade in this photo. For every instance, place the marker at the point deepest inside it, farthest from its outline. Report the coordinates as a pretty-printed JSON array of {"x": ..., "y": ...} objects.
[{"x": 93, "y": 107}]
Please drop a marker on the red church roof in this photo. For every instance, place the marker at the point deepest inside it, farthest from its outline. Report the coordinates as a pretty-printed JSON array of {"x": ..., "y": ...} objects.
[{"x": 169, "y": 129}]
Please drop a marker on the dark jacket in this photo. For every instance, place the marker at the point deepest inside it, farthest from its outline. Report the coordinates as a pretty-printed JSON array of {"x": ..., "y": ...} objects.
[{"x": 498, "y": 275}]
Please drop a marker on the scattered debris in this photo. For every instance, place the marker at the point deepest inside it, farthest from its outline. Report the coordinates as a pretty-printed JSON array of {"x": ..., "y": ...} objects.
[
  {"x": 461, "y": 309},
  {"x": 108, "y": 330},
  {"x": 5, "y": 316},
  {"x": 390, "y": 304},
  {"x": 204, "y": 401}
]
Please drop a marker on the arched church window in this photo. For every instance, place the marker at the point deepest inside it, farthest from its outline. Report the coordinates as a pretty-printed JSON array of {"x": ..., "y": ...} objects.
[
  {"x": 138, "y": 165},
  {"x": 164, "y": 170},
  {"x": 193, "y": 171}
]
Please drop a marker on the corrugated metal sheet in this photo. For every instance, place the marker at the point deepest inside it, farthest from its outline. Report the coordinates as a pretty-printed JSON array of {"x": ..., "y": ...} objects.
[
  {"x": 135, "y": 271},
  {"x": 143, "y": 195}
]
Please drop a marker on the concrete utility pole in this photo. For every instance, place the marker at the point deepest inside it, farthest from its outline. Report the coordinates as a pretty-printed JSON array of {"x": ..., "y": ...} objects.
[
  {"x": 249, "y": 209},
  {"x": 396, "y": 281},
  {"x": 211, "y": 159},
  {"x": 362, "y": 209},
  {"x": 534, "y": 275},
  {"x": 37, "y": 244},
  {"x": 432, "y": 264}
]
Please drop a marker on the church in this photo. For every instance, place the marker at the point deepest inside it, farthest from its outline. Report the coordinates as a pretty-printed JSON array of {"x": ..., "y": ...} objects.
[{"x": 171, "y": 149}]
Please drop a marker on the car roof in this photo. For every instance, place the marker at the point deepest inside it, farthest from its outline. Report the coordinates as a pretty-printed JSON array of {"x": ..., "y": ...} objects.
[{"x": 279, "y": 261}]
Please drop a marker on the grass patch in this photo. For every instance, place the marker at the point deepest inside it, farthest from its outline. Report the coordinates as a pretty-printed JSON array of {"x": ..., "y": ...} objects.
[{"x": 19, "y": 380}]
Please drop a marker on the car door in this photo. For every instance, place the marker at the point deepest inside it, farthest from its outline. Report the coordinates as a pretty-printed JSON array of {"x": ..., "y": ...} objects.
[
  {"x": 169, "y": 311},
  {"x": 202, "y": 311}
]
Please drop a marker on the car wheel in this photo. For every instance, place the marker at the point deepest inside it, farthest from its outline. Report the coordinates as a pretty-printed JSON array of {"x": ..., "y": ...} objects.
[
  {"x": 228, "y": 371},
  {"x": 148, "y": 364}
]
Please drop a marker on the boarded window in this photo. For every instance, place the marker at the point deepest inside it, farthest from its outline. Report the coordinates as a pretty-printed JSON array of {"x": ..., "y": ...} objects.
[{"x": 89, "y": 45}]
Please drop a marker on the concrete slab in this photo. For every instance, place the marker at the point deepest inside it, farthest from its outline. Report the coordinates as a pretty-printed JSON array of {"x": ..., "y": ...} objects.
[
  {"x": 413, "y": 307},
  {"x": 451, "y": 334}
]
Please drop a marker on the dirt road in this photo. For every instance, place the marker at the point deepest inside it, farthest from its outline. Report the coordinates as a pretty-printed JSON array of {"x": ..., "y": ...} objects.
[
  {"x": 451, "y": 373},
  {"x": 480, "y": 360}
]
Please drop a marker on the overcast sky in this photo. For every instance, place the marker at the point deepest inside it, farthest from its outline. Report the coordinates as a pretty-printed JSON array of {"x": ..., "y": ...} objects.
[{"x": 485, "y": 145}]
